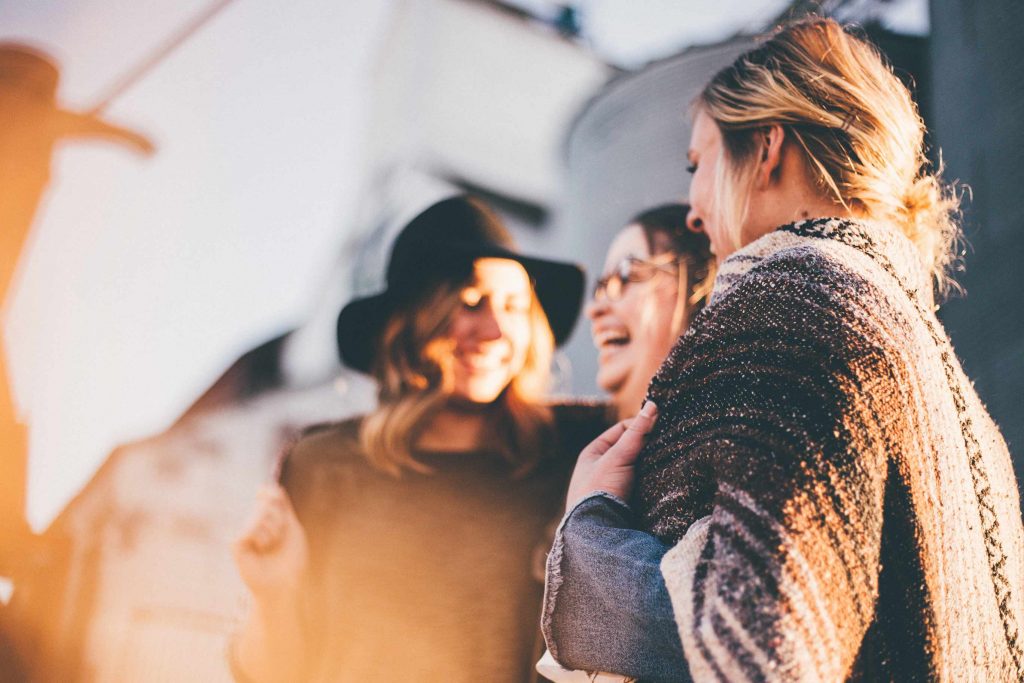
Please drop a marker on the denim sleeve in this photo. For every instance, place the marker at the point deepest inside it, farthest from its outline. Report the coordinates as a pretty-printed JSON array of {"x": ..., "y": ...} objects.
[{"x": 606, "y": 607}]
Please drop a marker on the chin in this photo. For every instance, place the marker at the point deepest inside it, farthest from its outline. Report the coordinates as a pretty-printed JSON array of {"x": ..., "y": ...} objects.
[
  {"x": 482, "y": 399},
  {"x": 611, "y": 380},
  {"x": 480, "y": 393}
]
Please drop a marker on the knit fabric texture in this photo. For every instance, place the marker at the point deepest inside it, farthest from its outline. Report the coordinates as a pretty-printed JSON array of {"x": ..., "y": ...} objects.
[{"x": 840, "y": 503}]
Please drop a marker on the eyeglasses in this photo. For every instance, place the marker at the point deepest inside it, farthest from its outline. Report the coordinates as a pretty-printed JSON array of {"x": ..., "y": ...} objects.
[{"x": 612, "y": 286}]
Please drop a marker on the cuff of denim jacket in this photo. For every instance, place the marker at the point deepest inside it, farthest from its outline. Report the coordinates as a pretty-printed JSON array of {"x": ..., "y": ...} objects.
[
  {"x": 601, "y": 501},
  {"x": 601, "y": 509}
]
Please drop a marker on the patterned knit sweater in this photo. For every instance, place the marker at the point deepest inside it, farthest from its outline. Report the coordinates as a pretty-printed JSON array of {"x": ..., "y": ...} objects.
[{"x": 840, "y": 503}]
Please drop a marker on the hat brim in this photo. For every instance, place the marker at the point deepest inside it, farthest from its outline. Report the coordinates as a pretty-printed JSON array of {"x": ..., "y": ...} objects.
[
  {"x": 558, "y": 286},
  {"x": 359, "y": 327}
]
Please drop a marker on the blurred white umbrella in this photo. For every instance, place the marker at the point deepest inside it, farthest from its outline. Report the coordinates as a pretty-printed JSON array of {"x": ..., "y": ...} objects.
[{"x": 144, "y": 279}]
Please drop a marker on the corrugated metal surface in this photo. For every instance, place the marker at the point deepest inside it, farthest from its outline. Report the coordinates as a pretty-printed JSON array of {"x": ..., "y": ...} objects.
[
  {"x": 626, "y": 152},
  {"x": 978, "y": 110}
]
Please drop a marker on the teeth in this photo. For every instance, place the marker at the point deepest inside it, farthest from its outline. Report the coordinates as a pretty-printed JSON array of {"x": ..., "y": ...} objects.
[{"x": 611, "y": 337}]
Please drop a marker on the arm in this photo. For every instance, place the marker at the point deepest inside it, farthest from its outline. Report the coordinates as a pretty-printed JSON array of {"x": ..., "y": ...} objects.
[
  {"x": 606, "y": 607},
  {"x": 782, "y": 594},
  {"x": 271, "y": 556},
  {"x": 277, "y": 563}
]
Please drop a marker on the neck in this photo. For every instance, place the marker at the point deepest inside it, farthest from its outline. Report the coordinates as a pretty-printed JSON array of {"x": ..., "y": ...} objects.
[
  {"x": 456, "y": 427},
  {"x": 630, "y": 397},
  {"x": 792, "y": 194},
  {"x": 799, "y": 211},
  {"x": 626, "y": 409},
  {"x": 815, "y": 206}
]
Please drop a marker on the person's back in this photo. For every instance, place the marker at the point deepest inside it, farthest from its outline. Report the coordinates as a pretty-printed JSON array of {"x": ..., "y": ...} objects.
[
  {"x": 859, "y": 484},
  {"x": 839, "y": 504}
]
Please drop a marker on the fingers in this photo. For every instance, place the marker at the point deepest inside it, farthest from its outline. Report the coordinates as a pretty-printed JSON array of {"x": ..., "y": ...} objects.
[
  {"x": 606, "y": 440},
  {"x": 270, "y": 521},
  {"x": 607, "y": 463},
  {"x": 643, "y": 422},
  {"x": 626, "y": 449}
]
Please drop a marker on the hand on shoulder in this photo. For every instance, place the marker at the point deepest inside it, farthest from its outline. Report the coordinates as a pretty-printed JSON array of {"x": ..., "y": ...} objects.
[{"x": 606, "y": 464}]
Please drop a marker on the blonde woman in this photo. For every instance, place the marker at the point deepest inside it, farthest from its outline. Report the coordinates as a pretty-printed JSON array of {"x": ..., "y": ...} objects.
[
  {"x": 400, "y": 546},
  {"x": 835, "y": 501}
]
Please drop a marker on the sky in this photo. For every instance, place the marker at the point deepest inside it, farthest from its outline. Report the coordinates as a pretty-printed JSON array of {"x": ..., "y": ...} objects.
[
  {"x": 629, "y": 33},
  {"x": 145, "y": 278}
]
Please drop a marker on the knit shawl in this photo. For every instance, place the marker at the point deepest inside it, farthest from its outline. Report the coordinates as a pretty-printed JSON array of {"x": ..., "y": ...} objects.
[{"x": 840, "y": 503}]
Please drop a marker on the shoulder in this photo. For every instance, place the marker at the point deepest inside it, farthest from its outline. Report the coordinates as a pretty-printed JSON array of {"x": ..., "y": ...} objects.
[
  {"x": 803, "y": 291},
  {"x": 320, "y": 453},
  {"x": 803, "y": 267},
  {"x": 327, "y": 441},
  {"x": 804, "y": 309},
  {"x": 831, "y": 266}
]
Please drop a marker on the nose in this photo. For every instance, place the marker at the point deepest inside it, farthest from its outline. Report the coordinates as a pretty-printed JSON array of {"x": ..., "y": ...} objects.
[
  {"x": 596, "y": 307},
  {"x": 488, "y": 327},
  {"x": 693, "y": 221}
]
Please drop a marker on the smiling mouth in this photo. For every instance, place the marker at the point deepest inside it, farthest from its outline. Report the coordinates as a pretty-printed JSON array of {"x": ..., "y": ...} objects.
[{"x": 611, "y": 339}]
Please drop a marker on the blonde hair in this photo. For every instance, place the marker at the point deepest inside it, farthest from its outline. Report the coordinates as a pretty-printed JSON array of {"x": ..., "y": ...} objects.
[
  {"x": 413, "y": 368},
  {"x": 855, "y": 122}
]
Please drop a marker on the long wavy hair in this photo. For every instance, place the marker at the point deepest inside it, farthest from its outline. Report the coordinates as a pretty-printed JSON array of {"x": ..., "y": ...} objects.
[
  {"x": 413, "y": 368},
  {"x": 856, "y": 124}
]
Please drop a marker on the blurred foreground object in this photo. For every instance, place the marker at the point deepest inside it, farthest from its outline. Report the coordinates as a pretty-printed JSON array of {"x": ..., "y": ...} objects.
[{"x": 31, "y": 123}]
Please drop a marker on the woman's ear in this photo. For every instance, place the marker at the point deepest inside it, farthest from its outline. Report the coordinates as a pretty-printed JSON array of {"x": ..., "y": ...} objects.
[{"x": 770, "y": 162}]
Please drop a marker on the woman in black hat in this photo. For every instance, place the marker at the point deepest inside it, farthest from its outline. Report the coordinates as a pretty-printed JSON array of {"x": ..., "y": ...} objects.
[{"x": 401, "y": 545}]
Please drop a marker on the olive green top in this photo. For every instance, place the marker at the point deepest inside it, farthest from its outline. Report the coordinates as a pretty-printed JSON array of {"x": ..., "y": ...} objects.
[{"x": 427, "y": 577}]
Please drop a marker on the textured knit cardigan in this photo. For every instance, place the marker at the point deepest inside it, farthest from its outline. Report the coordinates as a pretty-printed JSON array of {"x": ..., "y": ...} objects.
[{"x": 840, "y": 503}]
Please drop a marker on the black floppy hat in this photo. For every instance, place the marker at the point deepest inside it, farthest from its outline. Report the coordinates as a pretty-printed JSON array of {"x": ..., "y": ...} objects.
[{"x": 440, "y": 245}]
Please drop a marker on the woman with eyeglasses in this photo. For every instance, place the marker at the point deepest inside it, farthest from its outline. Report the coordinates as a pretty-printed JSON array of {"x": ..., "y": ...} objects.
[{"x": 657, "y": 275}]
